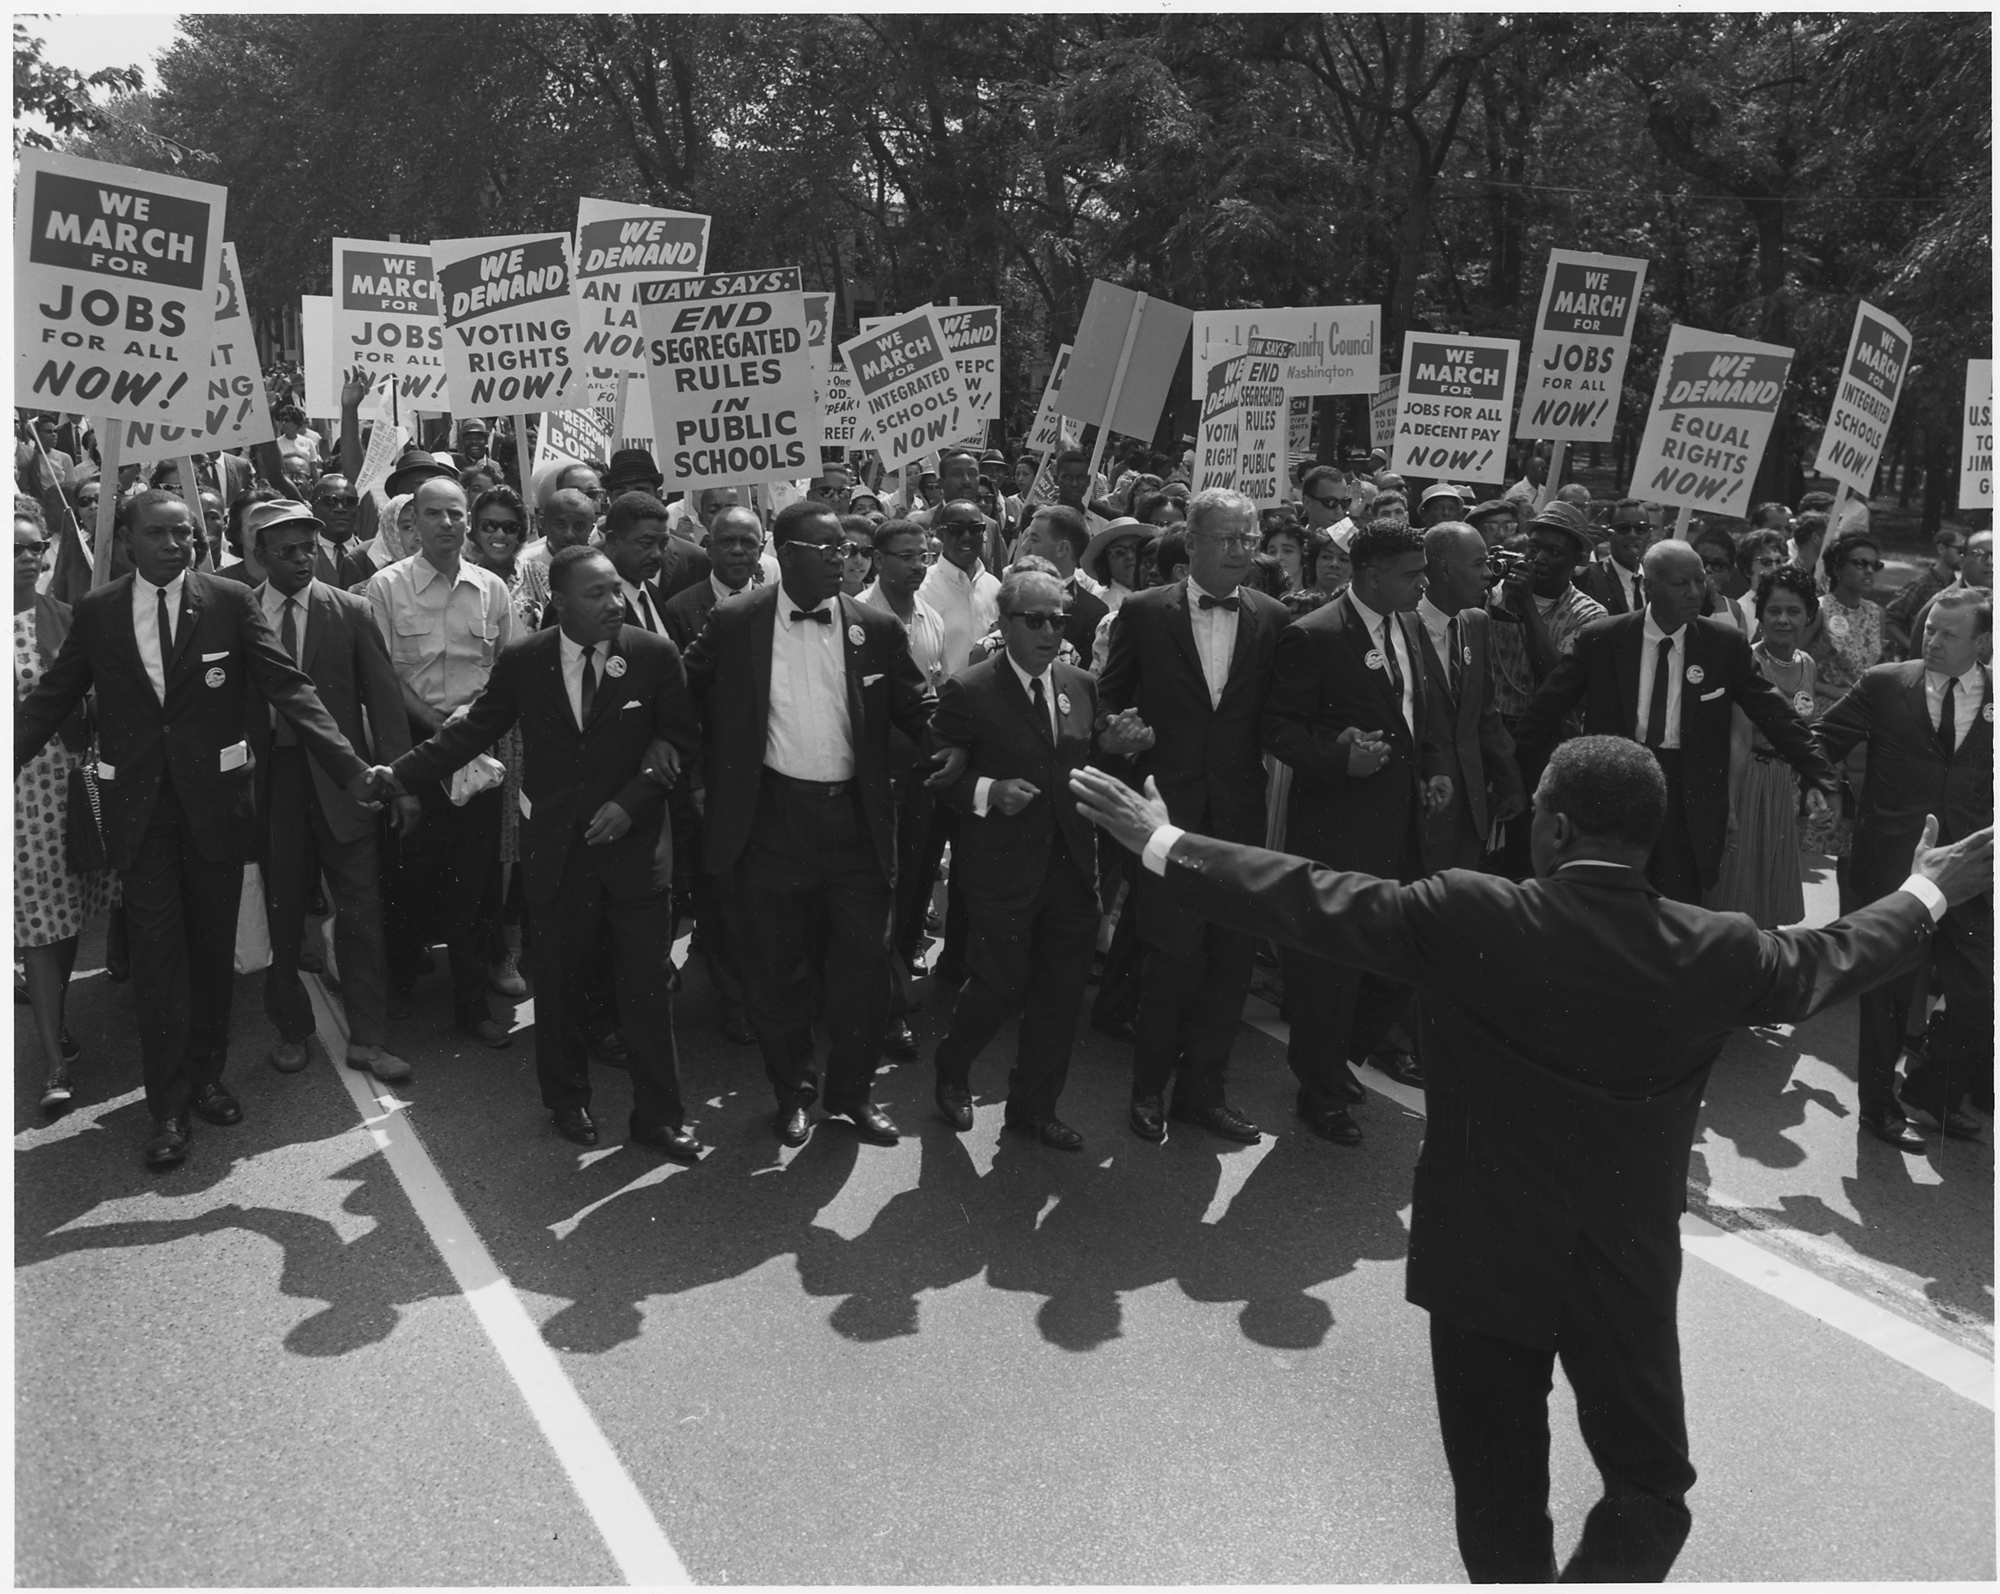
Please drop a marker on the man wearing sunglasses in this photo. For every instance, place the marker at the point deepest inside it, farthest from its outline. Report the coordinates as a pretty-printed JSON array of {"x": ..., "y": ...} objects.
[
  {"x": 1327, "y": 493},
  {"x": 334, "y": 502}
]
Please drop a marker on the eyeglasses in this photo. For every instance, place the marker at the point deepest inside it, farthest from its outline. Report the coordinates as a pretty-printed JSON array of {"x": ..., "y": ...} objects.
[
  {"x": 916, "y": 556},
  {"x": 337, "y": 500},
  {"x": 831, "y": 552},
  {"x": 297, "y": 552},
  {"x": 855, "y": 550},
  {"x": 35, "y": 548},
  {"x": 1040, "y": 622},
  {"x": 1236, "y": 542},
  {"x": 1326, "y": 503},
  {"x": 1766, "y": 561},
  {"x": 962, "y": 528},
  {"x": 511, "y": 528}
]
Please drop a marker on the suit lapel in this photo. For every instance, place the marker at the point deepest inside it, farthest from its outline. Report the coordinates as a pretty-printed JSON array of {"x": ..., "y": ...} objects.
[
  {"x": 845, "y": 613},
  {"x": 762, "y": 624},
  {"x": 611, "y": 689},
  {"x": 1694, "y": 655},
  {"x": 185, "y": 623},
  {"x": 1625, "y": 660},
  {"x": 1016, "y": 695},
  {"x": 1436, "y": 670},
  {"x": 1245, "y": 647},
  {"x": 551, "y": 666},
  {"x": 1364, "y": 642},
  {"x": 319, "y": 617},
  {"x": 1180, "y": 624}
]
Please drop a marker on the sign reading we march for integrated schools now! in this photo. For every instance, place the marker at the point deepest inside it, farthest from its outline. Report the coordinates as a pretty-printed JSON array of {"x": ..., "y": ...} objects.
[
  {"x": 508, "y": 314},
  {"x": 239, "y": 409},
  {"x": 730, "y": 374},
  {"x": 1711, "y": 417},
  {"x": 1864, "y": 399},
  {"x": 115, "y": 274},
  {"x": 619, "y": 246},
  {"x": 910, "y": 389},
  {"x": 1583, "y": 337},
  {"x": 385, "y": 317},
  {"x": 1451, "y": 421}
]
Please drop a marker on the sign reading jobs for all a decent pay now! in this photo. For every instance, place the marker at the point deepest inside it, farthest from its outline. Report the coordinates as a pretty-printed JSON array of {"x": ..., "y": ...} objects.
[
  {"x": 619, "y": 246},
  {"x": 1711, "y": 417},
  {"x": 730, "y": 372},
  {"x": 115, "y": 274},
  {"x": 910, "y": 389},
  {"x": 1864, "y": 399},
  {"x": 239, "y": 410},
  {"x": 385, "y": 318},
  {"x": 1583, "y": 338},
  {"x": 508, "y": 315},
  {"x": 1451, "y": 422}
]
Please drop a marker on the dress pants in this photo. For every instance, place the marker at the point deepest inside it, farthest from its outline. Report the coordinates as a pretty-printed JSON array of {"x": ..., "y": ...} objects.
[
  {"x": 1190, "y": 1003},
  {"x": 292, "y": 813},
  {"x": 1033, "y": 961},
  {"x": 1336, "y": 1011},
  {"x": 914, "y": 892},
  {"x": 570, "y": 936},
  {"x": 700, "y": 893},
  {"x": 1493, "y": 1412},
  {"x": 1960, "y": 1054},
  {"x": 914, "y": 880},
  {"x": 1673, "y": 868},
  {"x": 181, "y": 911},
  {"x": 441, "y": 876},
  {"x": 1117, "y": 999},
  {"x": 810, "y": 859}
]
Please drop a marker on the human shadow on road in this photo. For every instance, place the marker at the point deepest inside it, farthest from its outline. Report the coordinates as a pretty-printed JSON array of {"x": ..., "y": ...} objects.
[{"x": 1754, "y": 1102}]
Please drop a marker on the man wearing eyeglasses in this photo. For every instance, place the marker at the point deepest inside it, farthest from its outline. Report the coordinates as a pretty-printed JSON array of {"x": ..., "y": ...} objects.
[
  {"x": 333, "y": 504},
  {"x": 1191, "y": 661},
  {"x": 1616, "y": 583},
  {"x": 1326, "y": 492},
  {"x": 1929, "y": 582}
]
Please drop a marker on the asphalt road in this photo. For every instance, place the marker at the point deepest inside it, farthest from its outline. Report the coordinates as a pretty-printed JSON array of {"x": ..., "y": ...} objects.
[{"x": 958, "y": 1361}]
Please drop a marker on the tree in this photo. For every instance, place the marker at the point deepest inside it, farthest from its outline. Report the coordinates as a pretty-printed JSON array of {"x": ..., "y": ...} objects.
[{"x": 60, "y": 95}]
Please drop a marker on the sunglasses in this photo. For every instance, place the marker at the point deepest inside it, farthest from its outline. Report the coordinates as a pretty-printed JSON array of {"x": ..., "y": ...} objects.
[
  {"x": 1326, "y": 503},
  {"x": 512, "y": 528},
  {"x": 1041, "y": 622},
  {"x": 35, "y": 548},
  {"x": 337, "y": 500}
]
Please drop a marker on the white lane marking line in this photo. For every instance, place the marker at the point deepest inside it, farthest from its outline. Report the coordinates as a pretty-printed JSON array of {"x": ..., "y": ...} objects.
[
  {"x": 606, "y": 1491},
  {"x": 1962, "y": 1371},
  {"x": 74, "y": 1122}
]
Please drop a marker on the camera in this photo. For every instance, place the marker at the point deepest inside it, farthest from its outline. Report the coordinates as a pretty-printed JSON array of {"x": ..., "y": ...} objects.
[{"x": 1503, "y": 562}]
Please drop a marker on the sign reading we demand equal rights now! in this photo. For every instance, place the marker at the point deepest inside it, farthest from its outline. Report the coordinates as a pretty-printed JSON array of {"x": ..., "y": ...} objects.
[{"x": 1712, "y": 411}]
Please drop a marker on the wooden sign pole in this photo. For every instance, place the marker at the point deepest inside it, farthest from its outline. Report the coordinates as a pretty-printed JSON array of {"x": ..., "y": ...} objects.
[
  {"x": 1557, "y": 456},
  {"x": 1117, "y": 386},
  {"x": 110, "y": 434}
]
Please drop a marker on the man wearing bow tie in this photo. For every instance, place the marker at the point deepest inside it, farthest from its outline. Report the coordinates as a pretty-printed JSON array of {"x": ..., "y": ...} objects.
[{"x": 799, "y": 685}]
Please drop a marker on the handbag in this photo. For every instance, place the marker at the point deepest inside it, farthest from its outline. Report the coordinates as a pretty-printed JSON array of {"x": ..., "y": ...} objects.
[{"x": 83, "y": 818}]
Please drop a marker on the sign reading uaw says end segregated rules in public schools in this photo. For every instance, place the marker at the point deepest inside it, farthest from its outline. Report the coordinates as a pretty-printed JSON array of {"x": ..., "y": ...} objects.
[
  {"x": 1712, "y": 411},
  {"x": 730, "y": 371},
  {"x": 1451, "y": 422},
  {"x": 508, "y": 310}
]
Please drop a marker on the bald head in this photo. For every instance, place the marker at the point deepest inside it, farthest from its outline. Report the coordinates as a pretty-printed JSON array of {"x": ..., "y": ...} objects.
[
  {"x": 737, "y": 518},
  {"x": 569, "y": 518},
  {"x": 1455, "y": 565},
  {"x": 1665, "y": 558},
  {"x": 1676, "y": 584}
]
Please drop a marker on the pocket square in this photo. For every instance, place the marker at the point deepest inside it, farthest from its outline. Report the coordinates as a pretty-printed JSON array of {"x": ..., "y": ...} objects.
[
  {"x": 870, "y": 680},
  {"x": 1710, "y": 697},
  {"x": 210, "y": 658},
  {"x": 635, "y": 703}
]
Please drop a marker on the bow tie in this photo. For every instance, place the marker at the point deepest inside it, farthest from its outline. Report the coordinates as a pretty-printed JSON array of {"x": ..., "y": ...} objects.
[
  {"x": 824, "y": 616},
  {"x": 1232, "y": 603}
]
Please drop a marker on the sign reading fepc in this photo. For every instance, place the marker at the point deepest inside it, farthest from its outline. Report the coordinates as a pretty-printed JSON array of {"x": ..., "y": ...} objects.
[
  {"x": 1711, "y": 417},
  {"x": 1451, "y": 421},
  {"x": 115, "y": 272},
  {"x": 385, "y": 317},
  {"x": 1583, "y": 337},
  {"x": 618, "y": 246},
  {"x": 730, "y": 372},
  {"x": 508, "y": 314}
]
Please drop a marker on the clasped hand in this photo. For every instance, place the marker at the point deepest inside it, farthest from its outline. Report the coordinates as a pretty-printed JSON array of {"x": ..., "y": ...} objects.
[
  {"x": 1122, "y": 734},
  {"x": 372, "y": 787}
]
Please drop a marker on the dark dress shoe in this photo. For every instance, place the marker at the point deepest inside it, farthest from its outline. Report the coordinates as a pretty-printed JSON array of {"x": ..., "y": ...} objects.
[
  {"x": 488, "y": 1032},
  {"x": 1331, "y": 1123},
  {"x": 1147, "y": 1119},
  {"x": 956, "y": 1106},
  {"x": 1957, "y": 1122},
  {"x": 217, "y": 1106},
  {"x": 897, "y": 1041},
  {"x": 794, "y": 1126},
  {"x": 1119, "y": 1029},
  {"x": 666, "y": 1137},
  {"x": 1049, "y": 1131},
  {"x": 1352, "y": 1087},
  {"x": 575, "y": 1123},
  {"x": 1219, "y": 1120},
  {"x": 66, "y": 1044},
  {"x": 169, "y": 1142},
  {"x": 1892, "y": 1129},
  {"x": 1399, "y": 1066},
  {"x": 738, "y": 1033},
  {"x": 609, "y": 1049},
  {"x": 872, "y": 1124}
]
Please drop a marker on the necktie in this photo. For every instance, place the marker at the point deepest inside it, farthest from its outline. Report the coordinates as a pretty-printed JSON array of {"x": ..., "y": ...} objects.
[
  {"x": 1656, "y": 715},
  {"x": 1041, "y": 700},
  {"x": 1638, "y": 590},
  {"x": 1947, "y": 725},
  {"x": 1451, "y": 655},
  {"x": 164, "y": 620},
  {"x": 1395, "y": 669},
  {"x": 589, "y": 693},
  {"x": 288, "y": 633},
  {"x": 1232, "y": 603},
  {"x": 642, "y": 613},
  {"x": 824, "y": 616}
]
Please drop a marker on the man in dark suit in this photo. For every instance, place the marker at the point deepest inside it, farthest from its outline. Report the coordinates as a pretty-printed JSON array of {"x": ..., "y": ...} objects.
[
  {"x": 1569, "y": 1024},
  {"x": 1618, "y": 582},
  {"x": 1059, "y": 534},
  {"x": 1348, "y": 709},
  {"x": 735, "y": 540},
  {"x": 171, "y": 653},
  {"x": 1026, "y": 859},
  {"x": 1928, "y": 724},
  {"x": 307, "y": 825},
  {"x": 1458, "y": 673},
  {"x": 1667, "y": 678},
  {"x": 590, "y": 694},
  {"x": 1191, "y": 661},
  {"x": 798, "y": 686}
]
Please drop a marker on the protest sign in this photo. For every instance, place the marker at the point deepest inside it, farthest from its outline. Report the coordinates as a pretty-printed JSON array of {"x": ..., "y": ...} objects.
[
  {"x": 819, "y": 330},
  {"x": 1122, "y": 362},
  {"x": 1712, "y": 410},
  {"x": 1334, "y": 347},
  {"x": 509, "y": 312},
  {"x": 1975, "y": 459},
  {"x": 1298, "y": 427},
  {"x": 1051, "y": 433},
  {"x": 972, "y": 334},
  {"x": 385, "y": 318},
  {"x": 115, "y": 272},
  {"x": 730, "y": 377},
  {"x": 385, "y": 447},
  {"x": 1261, "y": 411},
  {"x": 1583, "y": 337},
  {"x": 618, "y": 246},
  {"x": 1218, "y": 444},
  {"x": 839, "y": 411},
  {"x": 239, "y": 410},
  {"x": 575, "y": 434},
  {"x": 1382, "y": 411},
  {"x": 1451, "y": 415},
  {"x": 909, "y": 387},
  {"x": 1864, "y": 399}
]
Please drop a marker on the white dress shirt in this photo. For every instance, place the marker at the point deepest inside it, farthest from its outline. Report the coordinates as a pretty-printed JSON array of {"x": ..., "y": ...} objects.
[
  {"x": 968, "y": 602},
  {"x": 808, "y": 735},
  {"x": 1650, "y": 639},
  {"x": 572, "y": 654},
  {"x": 1965, "y": 702},
  {"x": 1438, "y": 626},
  {"x": 154, "y": 649},
  {"x": 1214, "y": 637},
  {"x": 924, "y": 629},
  {"x": 1627, "y": 581},
  {"x": 274, "y": 610},
  {"x": 640, "y": 601},
  {"x": 1375, "y": 624},
  {"x": 982, "y": 788},
  {"x": 723, "y": 590}
]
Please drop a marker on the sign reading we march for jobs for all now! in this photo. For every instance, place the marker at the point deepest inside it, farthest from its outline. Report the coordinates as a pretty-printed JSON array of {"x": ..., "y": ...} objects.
[
  {"x": 115, "y": 276},
  {"x": 1451, "y": 422},
  {"x": 1711, "y": 417},
  {"x": 730, "y": 373},
  {"x": 385, "y": 317},
  {"x": 508, "y": 314},
  {"x": 239, "y": 410},
  {"x": 909, "y": 387},
  {"x": 1583, "y": 337}
]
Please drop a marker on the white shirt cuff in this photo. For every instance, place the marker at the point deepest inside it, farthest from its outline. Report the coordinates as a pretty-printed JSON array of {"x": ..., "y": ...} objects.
[
  {"x": 1928, "y": 894},
  {"x": 1158, "y": 845},
  {"x": 982, "y": 789}
]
